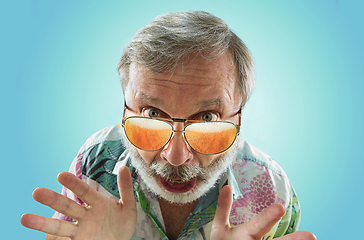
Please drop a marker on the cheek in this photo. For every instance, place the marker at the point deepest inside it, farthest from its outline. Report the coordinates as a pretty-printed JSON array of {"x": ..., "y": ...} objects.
[
  {"x": 148, "y": 156},
  {"x": 206, "y": 160}
]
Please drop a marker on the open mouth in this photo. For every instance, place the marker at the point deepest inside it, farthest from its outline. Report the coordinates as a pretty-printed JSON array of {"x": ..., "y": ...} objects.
[{"x": 177, "y": 186}]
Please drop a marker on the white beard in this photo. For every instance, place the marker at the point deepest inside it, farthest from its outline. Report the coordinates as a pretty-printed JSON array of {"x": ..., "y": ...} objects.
[{"x": 204, "y": 182}]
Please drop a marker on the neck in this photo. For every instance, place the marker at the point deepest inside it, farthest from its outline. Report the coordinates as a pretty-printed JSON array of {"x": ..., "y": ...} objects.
[{"x": 175, "y": 216}]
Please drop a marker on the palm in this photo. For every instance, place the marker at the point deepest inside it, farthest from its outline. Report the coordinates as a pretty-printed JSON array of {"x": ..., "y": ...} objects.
[
  {"x": 102, "y": 219},
  {"x": 252, "y": 230},
  {"x": 113, "y": 221}
]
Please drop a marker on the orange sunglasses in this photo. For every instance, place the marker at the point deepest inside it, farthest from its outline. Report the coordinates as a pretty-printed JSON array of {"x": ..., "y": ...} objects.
[{"x": 151, "y": 134}]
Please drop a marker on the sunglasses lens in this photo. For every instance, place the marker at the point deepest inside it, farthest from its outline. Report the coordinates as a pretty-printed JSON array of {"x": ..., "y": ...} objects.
[
  {"x": 147, "y": 134},
  {"x": 210, "y": 137}
]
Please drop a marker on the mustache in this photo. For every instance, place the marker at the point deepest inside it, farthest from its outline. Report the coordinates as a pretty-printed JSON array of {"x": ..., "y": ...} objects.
[{"x": 171, "y": 173}]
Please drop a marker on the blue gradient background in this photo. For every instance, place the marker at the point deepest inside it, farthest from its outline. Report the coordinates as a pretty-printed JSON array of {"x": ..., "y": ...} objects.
[{"x": 59, "y": 85}]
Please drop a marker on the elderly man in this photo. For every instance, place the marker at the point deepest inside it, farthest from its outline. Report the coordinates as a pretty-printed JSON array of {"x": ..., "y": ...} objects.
[{"x": 176, "y": 167}]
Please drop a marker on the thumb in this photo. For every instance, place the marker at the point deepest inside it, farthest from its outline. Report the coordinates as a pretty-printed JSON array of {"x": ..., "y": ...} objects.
[
  {"x": 125, "y": 185},
  {"x": 224, "y": 202}
]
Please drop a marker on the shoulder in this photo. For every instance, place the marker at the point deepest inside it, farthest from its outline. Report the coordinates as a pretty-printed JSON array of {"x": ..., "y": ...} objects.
[
  {"x": 247, "y": 153},
  {"x": 105, "y": 135},
  {"x": 99, "y": 155},
  {"x": 102, "y": 146},
  {"x": 260, "y": 182}
]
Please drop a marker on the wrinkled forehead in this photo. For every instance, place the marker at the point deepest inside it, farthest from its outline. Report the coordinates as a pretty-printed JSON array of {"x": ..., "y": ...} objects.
[
  {"x": 196, "y": 69},
  {"x": 198, "y": 83}
]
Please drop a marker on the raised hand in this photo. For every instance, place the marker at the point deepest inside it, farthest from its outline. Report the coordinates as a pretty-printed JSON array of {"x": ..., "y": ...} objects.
[
  {"x": 102, "y": 219},
  {"x": 252, "y": 230}
]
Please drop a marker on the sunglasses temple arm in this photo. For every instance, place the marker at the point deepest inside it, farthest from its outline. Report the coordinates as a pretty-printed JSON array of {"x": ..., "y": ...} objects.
[{"x": 239, "y": 122}]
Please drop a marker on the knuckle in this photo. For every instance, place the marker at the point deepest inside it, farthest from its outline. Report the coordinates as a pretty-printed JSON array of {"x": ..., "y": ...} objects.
[
  {"x": 82, "y": 190},
  {"x": 65, "y": 205}
]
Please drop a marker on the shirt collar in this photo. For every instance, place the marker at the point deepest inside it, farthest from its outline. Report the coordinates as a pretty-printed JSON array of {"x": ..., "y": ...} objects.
[{"x": 231, "y": 181}]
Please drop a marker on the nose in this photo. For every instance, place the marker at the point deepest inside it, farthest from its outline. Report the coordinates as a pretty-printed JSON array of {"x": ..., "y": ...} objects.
[{"x": 177, "y": 151}]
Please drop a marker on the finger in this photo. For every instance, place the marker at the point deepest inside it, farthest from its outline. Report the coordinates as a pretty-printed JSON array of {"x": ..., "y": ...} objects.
[
  {"x": 59, "y": 203},
  {"x": 52, "y": 237},
  {"x": 125, "y": 185},
  {"x": 80, "y": 188},
  {"x": 223, "y": 207},
  {"x": 48, "y": 225},
  {"x": 264, "y": 221},
  {"x": 300, "y": 235}
]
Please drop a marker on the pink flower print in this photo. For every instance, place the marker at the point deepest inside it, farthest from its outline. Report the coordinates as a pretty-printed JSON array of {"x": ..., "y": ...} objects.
[
  {"x": 239, "y": 164},
  {"x": 262, "y": 193},
  {"x": 259, "y": 194}
]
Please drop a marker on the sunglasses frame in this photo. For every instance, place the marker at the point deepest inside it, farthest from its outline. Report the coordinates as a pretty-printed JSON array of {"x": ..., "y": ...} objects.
[{"x": 187, "y": 123}]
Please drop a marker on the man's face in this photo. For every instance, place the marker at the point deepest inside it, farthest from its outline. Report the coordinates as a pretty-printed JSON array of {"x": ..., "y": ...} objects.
[{"x": 197, "y": 90}]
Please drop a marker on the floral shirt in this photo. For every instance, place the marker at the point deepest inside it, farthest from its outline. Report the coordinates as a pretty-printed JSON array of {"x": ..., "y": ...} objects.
[{"x": 257, "y": 182}]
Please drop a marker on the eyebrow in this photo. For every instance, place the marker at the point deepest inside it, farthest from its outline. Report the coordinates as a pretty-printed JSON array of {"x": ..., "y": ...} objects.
[
  {"x": 145, "y": 96},
  {"x": 208, "y": 103},
  {"x": 203, "y": 104}
]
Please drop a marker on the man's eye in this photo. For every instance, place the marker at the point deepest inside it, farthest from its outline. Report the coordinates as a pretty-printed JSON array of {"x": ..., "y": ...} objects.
[
  {"x": 152, "y": 112},
  {"x": 208, "y": 116}
]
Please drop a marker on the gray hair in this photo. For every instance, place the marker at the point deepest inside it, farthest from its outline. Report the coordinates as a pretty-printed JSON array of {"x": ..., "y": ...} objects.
[{"x": 171, "y": 38}]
